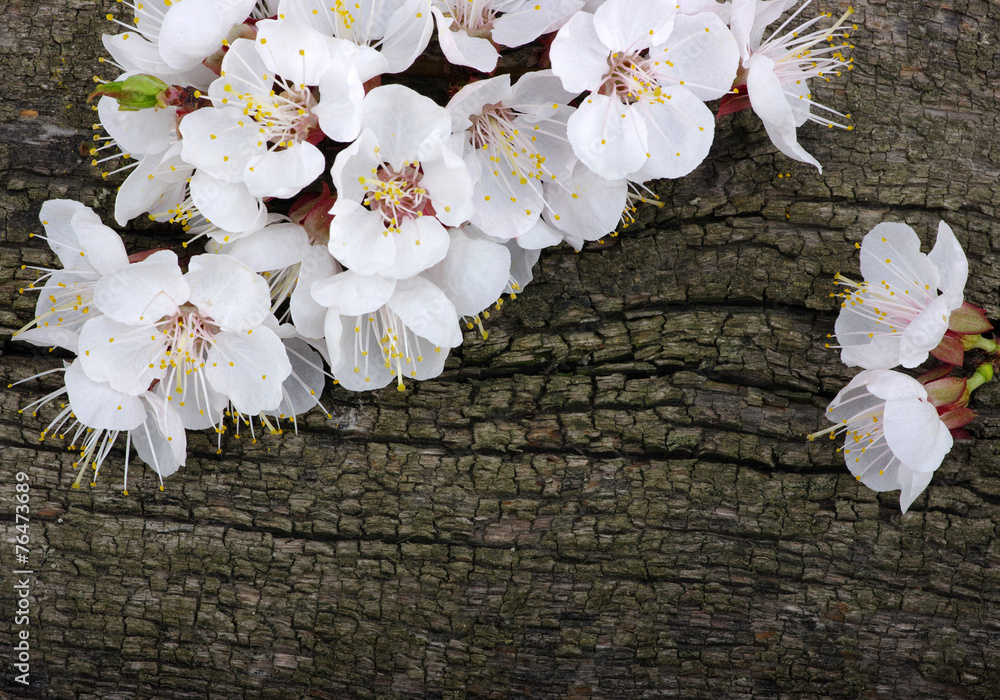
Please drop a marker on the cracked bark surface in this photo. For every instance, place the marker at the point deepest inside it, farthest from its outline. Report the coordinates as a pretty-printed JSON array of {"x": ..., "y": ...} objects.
[{"x": 611, "y": 497}]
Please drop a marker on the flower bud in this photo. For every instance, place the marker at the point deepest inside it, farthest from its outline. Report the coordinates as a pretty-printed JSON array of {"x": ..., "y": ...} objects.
[{"x": 134, "y": 93}]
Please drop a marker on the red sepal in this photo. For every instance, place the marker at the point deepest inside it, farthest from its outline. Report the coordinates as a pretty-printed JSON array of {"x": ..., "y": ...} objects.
[
  {"x": 734, "y": 102},
  {"x": 950, "y": 350},
  {"x": 958, "y": 418},
  {"x": 969, "y": 320},
  {"x": 946, "y": 391}
]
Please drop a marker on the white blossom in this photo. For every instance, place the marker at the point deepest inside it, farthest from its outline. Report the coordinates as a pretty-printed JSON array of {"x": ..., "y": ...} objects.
[
  {"x": 399, "y": 187},
  {"x": 893, "y": 437},
  {"x": 777, "y": 70},
  {"x": 896, "y": 316},
  {"x": 647, "y": 72}
]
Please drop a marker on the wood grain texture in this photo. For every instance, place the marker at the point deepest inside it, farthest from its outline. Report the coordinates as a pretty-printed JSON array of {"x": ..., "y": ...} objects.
[{"x": 611, "y": 497}]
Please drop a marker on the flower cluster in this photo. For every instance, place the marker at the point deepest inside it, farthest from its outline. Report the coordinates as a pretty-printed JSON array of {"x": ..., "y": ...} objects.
[
  {"x": 909, "y": 306},
  {"x": 352, "y": 225}
]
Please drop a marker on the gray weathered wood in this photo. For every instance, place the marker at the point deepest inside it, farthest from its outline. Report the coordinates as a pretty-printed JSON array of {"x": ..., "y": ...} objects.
[{"x": 610, "y": 497}]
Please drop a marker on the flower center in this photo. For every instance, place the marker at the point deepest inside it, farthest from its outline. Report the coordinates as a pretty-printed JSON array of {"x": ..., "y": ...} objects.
[
  {"x": 474, "y": 16},
  {"x": 631, "y": 77},
  {"x": 397, "y": 194},
  {"x": 283, "y": 118}
]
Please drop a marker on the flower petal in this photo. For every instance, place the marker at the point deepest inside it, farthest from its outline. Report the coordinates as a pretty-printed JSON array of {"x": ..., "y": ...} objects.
[
  {"x": 273, "y": 247},
  {"x": 427, "y": 311},
  {"x": 227, "y": 291},
  {"x": 249, "y": 369},
  {"x": 144, "y": 292},
  {"x": 228, "y": 205},
  {"x": 924, "y": 333},
  {"x": 284, "y": 173},
  {"x": 420, "y": 243},
  {"x": 307, "y": 314},
  {"x": 578, "y": 57},
  {"x": 160, "y": 441},
  {"x": 633, "y": 25},
  {"x": 890, "y": 255},
  {"x": 915, "y": 434},
  {"x": 474, "y": 273},
  {"x": 700, "y": 54},
  {"x": 97, "y": 405},
  {"x": 352, "y": 294},
  {"x": 463, "y": 50},
  {"x": 768, "y": 101},
  {"x": 293, "y": 50},
  {"x": 359, "y": 240},
  {"x": 194, "y": 29},
  {"x": 608, "y": 136},
  {"x": 121, "y": 355},
  {"x": 949, "y": 259}
]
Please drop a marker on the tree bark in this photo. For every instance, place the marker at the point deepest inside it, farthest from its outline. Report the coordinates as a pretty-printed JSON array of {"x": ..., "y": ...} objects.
[{"x": 610, "y": 497}]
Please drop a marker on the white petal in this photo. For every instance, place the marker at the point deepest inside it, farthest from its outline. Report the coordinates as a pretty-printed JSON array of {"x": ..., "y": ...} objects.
[
  {"x": 49, "y": 337},
  {"x": 402, "y": 121},
  {"x": 295, "y": 51},
  {"x": 702, "y": 55},
  {"x": 420, "y": 243},
  {"x": 227, "y": 291},
  {"x": 160, "y": 441},
  {"x": 274, "y": 247},
  {"x": 102, "y": 249},
  {"x": 608, "y": 136},
  {"x": 220, "y": 142},
  {"x": 522, "y": 263},
  {"x": 342, "y": 95},
  {"x": 143, "y": 292},
  {"x": 463, "y": 50},
  {"x": 56, "y": 216},
  {"x": 889, "y": 385},
  {"x": 924, "y": 333},
  {"x": 531, "y": 20},
  {"x": 949, "y": 259},
  {"x": 359, "y": 240},
  {"x": 406, "y": 35},
  {"x": 333, "y": 330},
  {"x": 890, "y": 254},
  {"x": 307, "y": 314},
  {"x": 157, "y": 184},
  {"x": 249, "y": 369},
  {"x": 449, "y": 185},
  {"x": 425, "y": 310},
  {"x": 915, "y": 434},
  {"x": 474, "y": 96},
  {"x": 194, "y": 29},
  {"x": 120, "y": 355},
  {"x": 633, "y": 25},
  {"x": 97, "y": 405},
  {"x": 474, "y": 274},
  {"x": 244, "y": 74},
  {"x": 284, "y": 173},
  {"x": 881, "y": 352},
  {"x": 228, "y": 205},
  {"x": 912, "y": 483},
  {"x": 768, "y": 101},
  {"x": 142, "y": 132},
  {"x": 588, "y": 205},
  {"x": 301, "y": 391},
  {"x": 356, "y": 160},
  {"x": 541, "y": 235},
  {"x": 64, "y": 221},
  {"x": 351, "y": 294},
  {"x": 578, "y": 57},
  {"x": 504, "y": 208}
]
